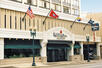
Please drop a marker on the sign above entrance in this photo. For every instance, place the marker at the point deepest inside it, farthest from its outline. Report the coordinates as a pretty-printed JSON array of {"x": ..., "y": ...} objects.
[{"x": 59, "y": 35}]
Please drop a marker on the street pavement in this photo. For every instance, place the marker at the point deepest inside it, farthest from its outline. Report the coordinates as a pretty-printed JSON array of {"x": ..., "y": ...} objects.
[{"x": 95, "y": 64}]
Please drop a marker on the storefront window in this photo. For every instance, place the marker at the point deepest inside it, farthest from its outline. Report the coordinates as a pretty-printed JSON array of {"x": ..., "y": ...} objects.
[
  {"x": 17, "y": 53},
  {"x": 76, "y": 51},
  {"x": 77, "y": 48}
]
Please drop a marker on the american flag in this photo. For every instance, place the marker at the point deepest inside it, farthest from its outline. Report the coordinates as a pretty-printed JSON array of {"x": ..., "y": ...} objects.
[{"x": 30, "y": 12}]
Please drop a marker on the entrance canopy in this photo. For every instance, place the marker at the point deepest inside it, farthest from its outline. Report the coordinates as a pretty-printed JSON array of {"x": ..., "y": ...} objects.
[
  {"x": 52, "y": 44},
  {"x": 77, "y": 46}
]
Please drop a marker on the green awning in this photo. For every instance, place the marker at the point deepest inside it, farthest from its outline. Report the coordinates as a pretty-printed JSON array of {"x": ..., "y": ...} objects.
[
  {"x": 54, "y": 44},
  {"x": 77, "y": 46},
  {"x": 59, "y": 47},
  {"x": 59, "y": 42},
  {"x": 21, "y": 44}
]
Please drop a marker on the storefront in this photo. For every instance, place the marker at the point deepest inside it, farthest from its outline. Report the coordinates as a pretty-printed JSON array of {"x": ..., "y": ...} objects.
[
  {"x": 60, "y": 39},
  {"x": 17, "y": 48},
  {"x": 58, "y": 51}
]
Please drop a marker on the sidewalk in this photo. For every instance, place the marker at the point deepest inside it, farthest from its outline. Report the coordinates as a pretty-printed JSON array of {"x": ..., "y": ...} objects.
[{"x": 39, "y": 65}]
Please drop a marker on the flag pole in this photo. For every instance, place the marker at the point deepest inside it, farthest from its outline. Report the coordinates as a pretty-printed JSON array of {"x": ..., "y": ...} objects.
[
  {"x": 46, "y": 17},
  {"x": 73, "y": 23},
  {"x": 24, "y": 17},
  {"x": 85, "y": 26}
]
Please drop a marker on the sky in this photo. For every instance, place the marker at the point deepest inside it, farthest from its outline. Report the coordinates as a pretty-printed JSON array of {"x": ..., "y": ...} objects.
[{"x": 91, "y": 6}]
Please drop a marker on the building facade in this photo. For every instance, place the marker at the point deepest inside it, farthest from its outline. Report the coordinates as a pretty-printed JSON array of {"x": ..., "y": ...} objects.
[
  {"x": 97, "y": 16},
  {"x": 55, "y": 40}
]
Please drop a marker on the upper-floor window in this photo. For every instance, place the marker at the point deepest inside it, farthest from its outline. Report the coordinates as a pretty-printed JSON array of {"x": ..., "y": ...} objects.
[
  {"x": 56, "y": 5},
  {"x": 27, "y": 1},
  {"x": 34, "y": 2},
  {"x": 75, "y": 3},
  {"x": 75, "y": 12},
  {"x": 56, "y": 1},
  {"x": 17, "y": 0},
  {"x": 31, "y": 2},
  {"x": 66, "y": 9},
  {"x": 66, "y": 3},
  {"x": 44, "y": 3}
]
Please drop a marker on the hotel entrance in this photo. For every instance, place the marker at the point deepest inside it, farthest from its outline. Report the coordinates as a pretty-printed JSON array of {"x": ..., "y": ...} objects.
[{"x": 57, "y": 52}]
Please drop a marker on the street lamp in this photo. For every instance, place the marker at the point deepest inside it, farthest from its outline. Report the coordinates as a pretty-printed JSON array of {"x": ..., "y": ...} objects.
[
  {"x": 87, "y": 38},
  {"x": 33, "y": 33}
]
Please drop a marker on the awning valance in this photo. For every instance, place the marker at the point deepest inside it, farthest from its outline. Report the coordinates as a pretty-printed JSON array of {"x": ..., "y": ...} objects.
[
  {"x": 21, "y": 44},
  {"x": 77, "y": 46}
]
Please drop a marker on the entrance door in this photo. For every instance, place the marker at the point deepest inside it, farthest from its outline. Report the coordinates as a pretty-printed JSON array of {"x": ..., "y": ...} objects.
[{"x": 55, "y": 55}]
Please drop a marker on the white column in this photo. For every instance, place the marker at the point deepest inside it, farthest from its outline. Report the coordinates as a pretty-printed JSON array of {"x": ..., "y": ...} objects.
[
  {"x": 71, "y": 53},
  {"x": 98, "y": 50},
  {"x": 71, "y": 7},
  {"x": 72, "y": 50},
  {"x": 1, "y": 48},
  {"x": 62, "y": 6},
  {"x": 38, "y": 3},
  {"x": 79, "y": 7},
  {"x": 81, "y": 50},
  {"x": 50, "y": 3},
  {"x": 43, "y": 51}
]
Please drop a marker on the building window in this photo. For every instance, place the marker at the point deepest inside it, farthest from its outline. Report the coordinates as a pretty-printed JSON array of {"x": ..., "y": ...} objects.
[
  {"x": 77, "y": 48},
  {"x": 66, "y": 10},
  {"x": 29, "y": 22},
  {"x": 67, "y": 3},
  {"x": 76, "y": 51},
  {"x": 5, "y": 20},
  {"x": 25, "y": 23},
  {"x": 44, "y": 4},
  {"x": 34, "y": 2},
  {"x": 75, "y": 12},
  {"x": 56, "y": 1},
  {"x": 15, "y": 22},
  {"x": 56, "y": 5},
  {"x": 10, "y": 22},
  {"x": 75, "y": 3},
  {"x": 58, "y": 8},
  {"x": 17, "y": 0},
  {"x": 27, "y": 1},
  {"x": 20, "y": 23}
]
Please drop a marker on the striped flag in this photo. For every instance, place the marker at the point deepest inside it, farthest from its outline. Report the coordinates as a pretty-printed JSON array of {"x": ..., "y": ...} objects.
[{"x": 30, "y": 12}]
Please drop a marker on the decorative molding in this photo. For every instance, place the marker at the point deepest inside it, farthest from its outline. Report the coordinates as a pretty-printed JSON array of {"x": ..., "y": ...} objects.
[{"x": 46, "y": 35}]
